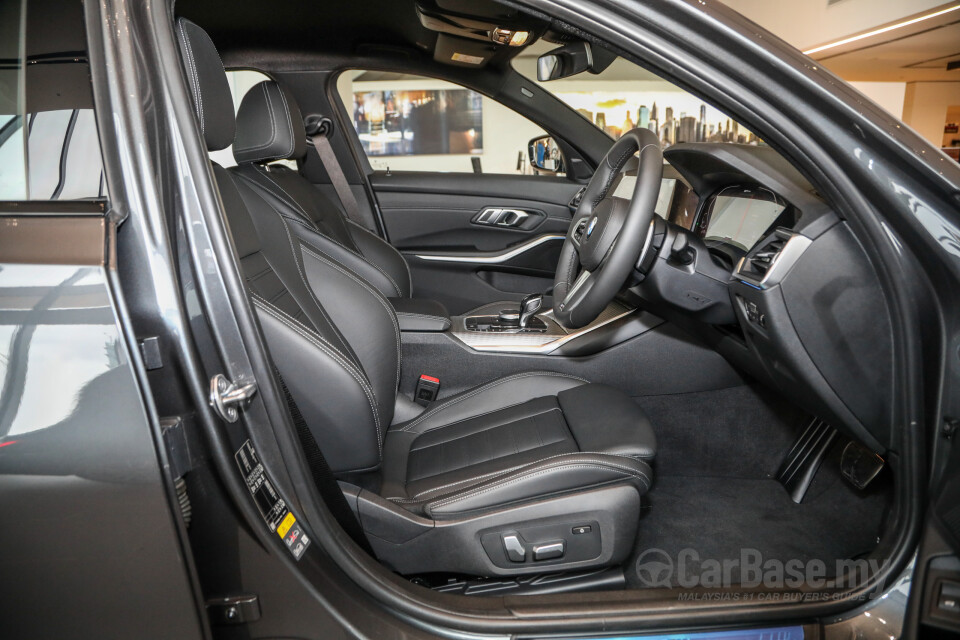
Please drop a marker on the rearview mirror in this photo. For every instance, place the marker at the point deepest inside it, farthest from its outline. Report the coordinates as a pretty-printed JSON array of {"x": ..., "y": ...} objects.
[
  {"x": 545, "y": 155},
  {"x": 571, "y": 59}
]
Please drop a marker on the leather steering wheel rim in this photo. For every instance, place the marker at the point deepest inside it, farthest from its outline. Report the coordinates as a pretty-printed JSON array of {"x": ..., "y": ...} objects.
[{"x": 607, "y": 234}]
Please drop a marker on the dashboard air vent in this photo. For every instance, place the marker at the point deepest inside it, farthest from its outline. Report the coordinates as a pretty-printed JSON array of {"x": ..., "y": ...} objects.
[
  {"x": 759, "y": 262},
  {"x": 768, "y": 262}
]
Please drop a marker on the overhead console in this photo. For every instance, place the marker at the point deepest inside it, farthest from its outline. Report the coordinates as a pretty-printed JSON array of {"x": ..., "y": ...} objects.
[
  {"x": 778, "y": 284},
  {"x": 472, "y": 32}
]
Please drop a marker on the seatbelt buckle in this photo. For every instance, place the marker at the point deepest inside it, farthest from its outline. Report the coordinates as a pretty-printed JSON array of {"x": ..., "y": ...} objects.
[{"x": 427, "y": 389}]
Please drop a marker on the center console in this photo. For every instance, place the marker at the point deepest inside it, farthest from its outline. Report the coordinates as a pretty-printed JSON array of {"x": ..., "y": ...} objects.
[
  {"x": 504, "y": 327},
  {"x": 498, "y": 328}
]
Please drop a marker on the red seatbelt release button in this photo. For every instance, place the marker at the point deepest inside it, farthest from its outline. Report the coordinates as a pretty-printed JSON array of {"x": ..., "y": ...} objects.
[{"x": 427, "y": 389}]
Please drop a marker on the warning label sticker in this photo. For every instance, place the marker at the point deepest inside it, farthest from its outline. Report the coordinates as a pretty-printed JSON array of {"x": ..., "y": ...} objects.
[{"x": 272, "y": 507}]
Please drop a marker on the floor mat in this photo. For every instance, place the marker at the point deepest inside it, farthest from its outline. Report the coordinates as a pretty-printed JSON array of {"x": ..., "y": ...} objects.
[
  {"x": 741, "y": 432},
  {"x": 722, "y": 518},
  {"x": 714, "y": 497}
]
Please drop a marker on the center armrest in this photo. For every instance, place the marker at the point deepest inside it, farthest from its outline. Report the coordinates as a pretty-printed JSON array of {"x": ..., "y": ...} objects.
[{"x": 420, "y": 314}]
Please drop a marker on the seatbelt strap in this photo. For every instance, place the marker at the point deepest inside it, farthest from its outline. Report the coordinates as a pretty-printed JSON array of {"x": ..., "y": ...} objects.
[
  {"x": 323, "y": 477},
  {"x": 329, "y": 159}
]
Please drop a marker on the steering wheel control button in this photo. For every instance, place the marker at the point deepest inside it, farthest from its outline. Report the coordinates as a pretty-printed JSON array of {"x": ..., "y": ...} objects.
[
  {"x": 591, "y": 226},
  {"x": 516, "y": 552},
  {"x": 549, "y": 551},
  {"x": 582, "y": 529}
]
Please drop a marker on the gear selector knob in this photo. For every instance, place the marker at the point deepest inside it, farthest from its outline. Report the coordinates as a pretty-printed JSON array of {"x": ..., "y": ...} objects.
[{"x": 529, "y": 307}]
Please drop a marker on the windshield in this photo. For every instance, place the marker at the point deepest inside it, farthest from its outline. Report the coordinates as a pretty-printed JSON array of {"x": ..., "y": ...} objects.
[{"x": 625, "y": 96}]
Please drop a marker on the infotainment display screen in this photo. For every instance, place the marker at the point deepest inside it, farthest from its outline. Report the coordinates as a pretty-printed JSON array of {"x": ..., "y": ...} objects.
[{"x": 741, "y": 216}]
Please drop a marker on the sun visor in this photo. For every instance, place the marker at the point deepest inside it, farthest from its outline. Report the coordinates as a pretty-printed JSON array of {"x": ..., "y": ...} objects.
[{"x": 462, "y": 52}]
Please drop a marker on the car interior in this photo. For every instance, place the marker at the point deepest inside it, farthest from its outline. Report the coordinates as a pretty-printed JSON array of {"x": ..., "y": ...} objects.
[{"x": 526, "y": 381}]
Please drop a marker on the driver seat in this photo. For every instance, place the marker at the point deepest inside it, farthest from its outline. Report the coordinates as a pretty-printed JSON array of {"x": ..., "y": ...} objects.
[{"x": 534, "y": 472}]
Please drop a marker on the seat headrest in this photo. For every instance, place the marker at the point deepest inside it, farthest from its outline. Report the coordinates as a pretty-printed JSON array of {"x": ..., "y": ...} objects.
[
  {"x": 212, "y": 100},
  {"x": 269, "y": 125}
]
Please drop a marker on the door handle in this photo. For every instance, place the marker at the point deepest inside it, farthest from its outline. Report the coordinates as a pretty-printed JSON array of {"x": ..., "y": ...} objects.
[
  {"x": 498, "y": 217},
  {"x": 511, "y": 217}
]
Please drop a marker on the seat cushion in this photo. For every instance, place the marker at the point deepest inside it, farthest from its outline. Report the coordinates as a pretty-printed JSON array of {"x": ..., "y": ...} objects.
[
  {"x": 492, "y": 445},
  {"x": 604, "y": 419}
]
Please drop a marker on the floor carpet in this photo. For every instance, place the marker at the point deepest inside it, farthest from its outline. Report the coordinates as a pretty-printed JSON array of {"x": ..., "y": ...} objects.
[{"x": 714, "y": 492}]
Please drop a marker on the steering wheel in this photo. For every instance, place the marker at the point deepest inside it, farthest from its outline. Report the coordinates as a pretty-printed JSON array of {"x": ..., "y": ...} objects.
[{"x": 607, "y": 234}]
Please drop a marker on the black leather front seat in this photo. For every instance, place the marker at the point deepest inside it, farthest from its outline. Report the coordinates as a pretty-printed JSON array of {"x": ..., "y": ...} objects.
[
  {"x": 270, "y": 127},
  {"x": 534, "y": 472}
]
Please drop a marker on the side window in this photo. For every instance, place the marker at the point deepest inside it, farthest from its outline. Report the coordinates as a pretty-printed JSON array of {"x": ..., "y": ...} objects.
[
  {"x": 413, "y": 123},
  {"x": 49, "y": 147},
  {"x": 240, "y": 81}
]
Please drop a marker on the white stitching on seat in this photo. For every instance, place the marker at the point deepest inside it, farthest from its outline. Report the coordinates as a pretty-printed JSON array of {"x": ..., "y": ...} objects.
[
  {"x": 480, "y": 415},
  {"x": 580, "y": 465},
  {"x": 303, "y": 278},
  {"x": 292, "y": 202},
  {"x": 452, "y": 401},
  {"x": 378, "y": 267},
  {"x": 306, "y": 246},
  {"x": 195, "y": 77},
  {"x": 293, "y": 134},
  {"x": 403, "y": 260},
  {"x": 273, "y": 126},
  {"x": 318, "y": 341},
  {"x": 416, "y": 497}
]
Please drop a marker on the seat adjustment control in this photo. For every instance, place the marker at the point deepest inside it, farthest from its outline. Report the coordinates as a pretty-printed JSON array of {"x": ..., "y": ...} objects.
[
  {"x": 516, "y": 552},
  {"x": 548, "y": 551}
]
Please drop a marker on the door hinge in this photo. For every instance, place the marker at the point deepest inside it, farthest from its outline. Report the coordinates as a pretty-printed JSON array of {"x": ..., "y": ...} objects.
[
  {"x": 228, "y": 398},
  {"x": 233, "y": 609}
]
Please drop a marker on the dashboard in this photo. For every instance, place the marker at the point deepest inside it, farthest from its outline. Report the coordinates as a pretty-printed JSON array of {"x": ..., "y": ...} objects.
[{"x": 771, "y": 277}]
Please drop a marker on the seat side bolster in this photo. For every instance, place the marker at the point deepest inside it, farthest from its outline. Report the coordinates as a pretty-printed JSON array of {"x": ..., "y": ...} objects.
[
  {"x": 332, "y": 393},
  {"x": 383, "y": 256},
  {"x": 557, "y": 475},
  {"x": 387, "y": 284}
]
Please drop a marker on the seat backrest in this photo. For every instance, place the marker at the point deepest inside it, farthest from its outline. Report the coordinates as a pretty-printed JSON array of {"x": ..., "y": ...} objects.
[
  {"x": 270, "y": 127},
  {"x": 333, "y": 337}
]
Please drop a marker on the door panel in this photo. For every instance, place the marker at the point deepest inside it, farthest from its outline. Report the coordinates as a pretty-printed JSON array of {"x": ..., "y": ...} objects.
[{"x": 464, "y": 261}]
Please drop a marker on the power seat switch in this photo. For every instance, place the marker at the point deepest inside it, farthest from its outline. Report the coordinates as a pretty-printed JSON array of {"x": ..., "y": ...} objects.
[
  {"x": 516, "y": 552},
  {"x": 548, "y": 551},
  {"x": 427, "y": 389}
]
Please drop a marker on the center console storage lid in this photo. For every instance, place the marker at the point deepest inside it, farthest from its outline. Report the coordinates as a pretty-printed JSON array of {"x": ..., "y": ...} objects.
[{"x": 420, "y": 314}]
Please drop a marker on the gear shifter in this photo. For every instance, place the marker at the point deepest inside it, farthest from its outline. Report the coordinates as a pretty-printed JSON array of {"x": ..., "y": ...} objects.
[
  {"x": 529, "y": 307},
  {"x": 512, "y": 320}
]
